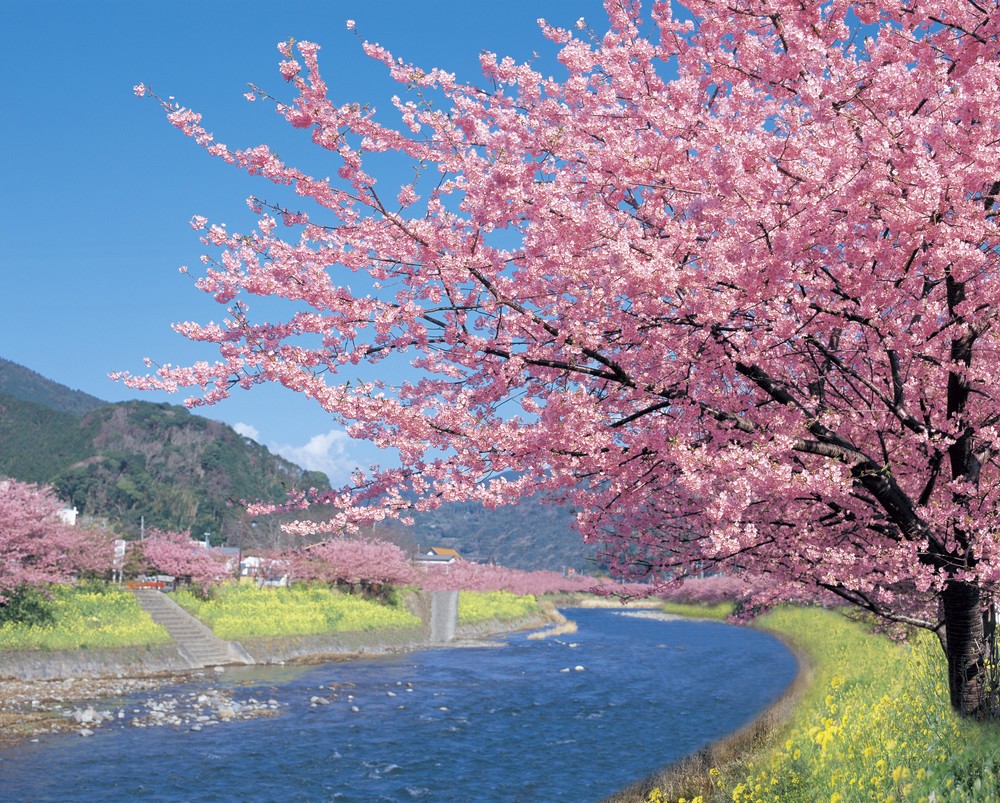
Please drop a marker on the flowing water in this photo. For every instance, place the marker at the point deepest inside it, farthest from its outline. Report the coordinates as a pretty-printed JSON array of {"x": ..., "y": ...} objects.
[{"x": 505, "y": 722}]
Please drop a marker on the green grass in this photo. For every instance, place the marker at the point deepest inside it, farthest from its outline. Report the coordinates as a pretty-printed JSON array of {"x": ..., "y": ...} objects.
[
  {"x": 874, "y": 723},
  {"x": 502, "y": 606},
  {"x": 246, "y": 611},
  {"x": 87, "y": 618},
  {"x": 720, "y": 610}
]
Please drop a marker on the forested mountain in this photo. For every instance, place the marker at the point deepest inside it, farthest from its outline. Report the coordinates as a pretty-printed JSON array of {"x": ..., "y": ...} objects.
[
  {"x": 135, "y": 461},
  {"x": 37, "y": 442},
  {"x": 529, "y": 535},
  {"x": 23, "y": 383}
]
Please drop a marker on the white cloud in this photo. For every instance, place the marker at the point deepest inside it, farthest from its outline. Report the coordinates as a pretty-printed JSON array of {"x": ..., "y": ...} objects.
[
  {"x": 247, "y": 431},
  {"x": 327, "y": 453}
]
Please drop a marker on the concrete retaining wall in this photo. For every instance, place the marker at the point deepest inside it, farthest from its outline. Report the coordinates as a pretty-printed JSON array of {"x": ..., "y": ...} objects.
[
  {"x": 58, "y": 664},
  {"x": 444, "y": 616},
  {"x": 315, "y": 647}
]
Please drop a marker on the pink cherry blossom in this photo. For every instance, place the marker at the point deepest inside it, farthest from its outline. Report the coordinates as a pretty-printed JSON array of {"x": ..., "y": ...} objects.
[
  {"x": 38, "y": 547},
  {"x": 352, "y": 561},
  {"x": 289, "y": 69},
  {"x": 728, "y": 287},
  {"x": 175, "y": 554}
]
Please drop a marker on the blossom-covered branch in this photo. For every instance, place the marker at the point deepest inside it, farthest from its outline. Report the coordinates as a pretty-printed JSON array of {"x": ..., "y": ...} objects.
[{"x": 729, "y": 289}]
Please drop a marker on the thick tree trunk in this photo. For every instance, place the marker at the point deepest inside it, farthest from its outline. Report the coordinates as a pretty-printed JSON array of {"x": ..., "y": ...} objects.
[{"x": 967, "y": 647}]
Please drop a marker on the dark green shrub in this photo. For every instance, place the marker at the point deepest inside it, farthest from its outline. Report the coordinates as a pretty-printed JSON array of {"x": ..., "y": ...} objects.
[{"x": 26, "y": 605}]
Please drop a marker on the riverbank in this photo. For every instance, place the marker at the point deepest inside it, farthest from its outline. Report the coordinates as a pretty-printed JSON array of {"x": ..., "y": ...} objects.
[
  {"x": 869, "y": 718},
  {"x": 696, "y": 774},
  {"x": 45, "y": 693},
  {"x": 528, "y": 720}
]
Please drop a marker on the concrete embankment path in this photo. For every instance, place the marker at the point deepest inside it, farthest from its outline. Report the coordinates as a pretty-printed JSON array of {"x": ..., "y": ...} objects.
[{"x": 196, "y": 643}]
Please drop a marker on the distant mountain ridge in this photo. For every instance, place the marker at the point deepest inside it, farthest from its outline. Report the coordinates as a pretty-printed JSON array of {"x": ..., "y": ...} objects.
[
  {"x": 136, "y": 462},
  {"x": 23, "y": 383},
  {"x": 528, "y": 535},
  {"x": 37, "y": 441}
]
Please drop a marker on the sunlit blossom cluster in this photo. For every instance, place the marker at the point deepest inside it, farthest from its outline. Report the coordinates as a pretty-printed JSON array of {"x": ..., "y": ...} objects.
[{"x": 728, "y": 287}]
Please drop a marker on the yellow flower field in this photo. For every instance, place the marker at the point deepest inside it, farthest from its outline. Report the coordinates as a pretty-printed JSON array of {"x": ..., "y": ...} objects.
[
  {"x": 875, "y": 725},
  {"x": 246, "y": 611},
  {"x": 87, "y": 619},
  {"x": 481, "y": 606}
]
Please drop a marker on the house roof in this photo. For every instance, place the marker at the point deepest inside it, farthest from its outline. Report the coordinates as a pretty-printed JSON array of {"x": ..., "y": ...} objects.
[
  {"x": 444, "y": 552},
  {"x": 443, "y": 560}
]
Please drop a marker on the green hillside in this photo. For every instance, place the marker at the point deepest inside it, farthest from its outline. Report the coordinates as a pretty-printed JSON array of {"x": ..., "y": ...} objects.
[
  {"x": 136, "y": 462},
  {"x": 37, "y": 442},
  {"x": 529, "y": 535},
  {"x": 23, "y": 383},
  {"x": 174, "y": 469}
]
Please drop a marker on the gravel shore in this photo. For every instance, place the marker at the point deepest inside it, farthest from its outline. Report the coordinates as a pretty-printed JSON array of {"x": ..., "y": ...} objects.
[{"x": 30, "y": 710}]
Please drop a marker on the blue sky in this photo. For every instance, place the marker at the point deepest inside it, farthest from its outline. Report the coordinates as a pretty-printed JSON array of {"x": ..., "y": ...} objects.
[{"x": 98, "y": 188}]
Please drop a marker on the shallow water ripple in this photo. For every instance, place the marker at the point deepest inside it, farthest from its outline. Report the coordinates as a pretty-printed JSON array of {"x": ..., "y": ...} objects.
[{"x": 535, "y": 721}]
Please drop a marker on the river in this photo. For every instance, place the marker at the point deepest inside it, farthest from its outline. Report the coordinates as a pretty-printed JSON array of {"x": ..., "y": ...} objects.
[{"x": 539, "y": 721}]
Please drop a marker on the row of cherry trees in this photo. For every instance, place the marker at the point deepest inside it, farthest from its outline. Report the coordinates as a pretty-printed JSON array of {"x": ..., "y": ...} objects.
[
  {"x": 177, "y": 555},
  {"x": 38, "y": 548},
  {"x": 465, "y": 576}
]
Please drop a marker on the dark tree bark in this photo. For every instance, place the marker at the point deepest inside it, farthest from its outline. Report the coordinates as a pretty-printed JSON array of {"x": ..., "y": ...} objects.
[{"x": 967, "y": 650}]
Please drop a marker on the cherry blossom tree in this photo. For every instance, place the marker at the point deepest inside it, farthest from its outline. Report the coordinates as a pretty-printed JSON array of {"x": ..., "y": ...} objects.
[
  {"x": 177, "y": 555},
  {"x": 470, "y": 576},
  {"x": 265, "y": 567},
  {"x": 727, "y": 283},
  {"x": 37, "y": 547},
  {"x": 354, "y": 562}
]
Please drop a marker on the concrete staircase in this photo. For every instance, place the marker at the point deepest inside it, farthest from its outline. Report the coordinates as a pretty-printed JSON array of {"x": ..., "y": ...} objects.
[{"x": 197, "y": 644}]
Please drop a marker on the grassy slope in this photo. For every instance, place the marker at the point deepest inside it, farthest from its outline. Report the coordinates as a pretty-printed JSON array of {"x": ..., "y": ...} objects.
[
  {"x": 110, "y": 617},
  {"x": 502, "y": 606},
  {"x": 238, "y": 612}
]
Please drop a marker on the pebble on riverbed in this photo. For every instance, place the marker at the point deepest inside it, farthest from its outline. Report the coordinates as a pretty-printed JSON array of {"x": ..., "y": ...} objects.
[
  {"x": 31, "y": 708},
  {"x": 197, "y": 710}
]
